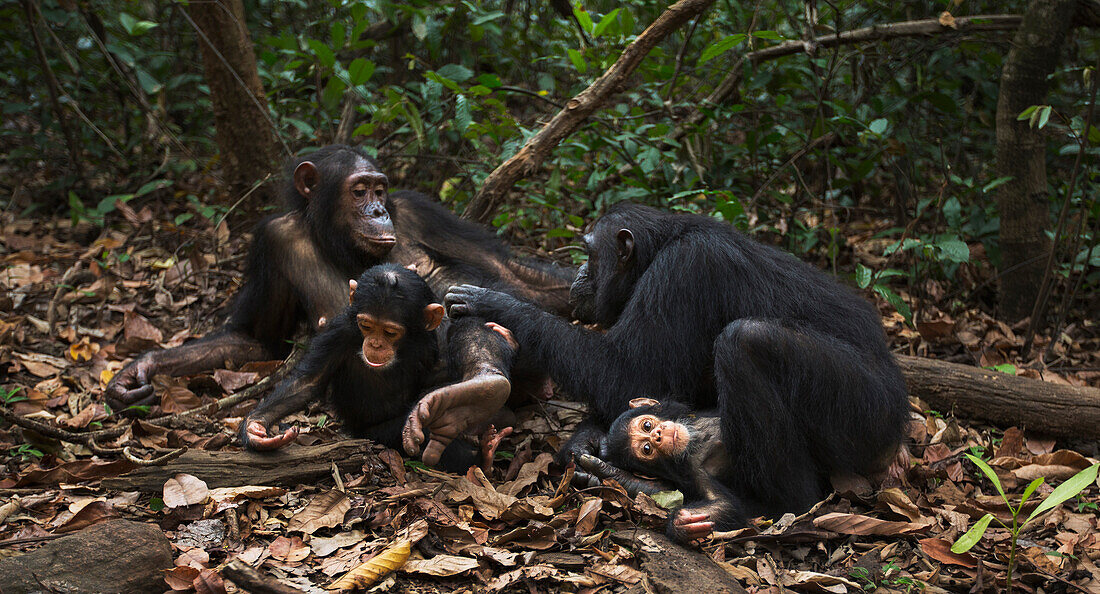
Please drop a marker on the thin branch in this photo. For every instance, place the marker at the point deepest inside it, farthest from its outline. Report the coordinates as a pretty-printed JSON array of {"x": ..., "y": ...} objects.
[{"x": 538, "y": 147}]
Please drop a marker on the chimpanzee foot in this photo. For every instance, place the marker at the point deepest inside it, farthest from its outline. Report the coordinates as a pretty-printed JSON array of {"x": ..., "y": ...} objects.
[
  {"x": 490, "y": 441},
  {"x": 453, "y": 410}
]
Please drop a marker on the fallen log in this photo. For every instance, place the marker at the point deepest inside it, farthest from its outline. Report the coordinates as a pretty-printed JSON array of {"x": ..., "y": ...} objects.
[
  {"x": 975, "y": 393},
  {"x": 673, "y": 569},
  {"x": 286, "y": 467},
  {"x": 115, "y": 556}
]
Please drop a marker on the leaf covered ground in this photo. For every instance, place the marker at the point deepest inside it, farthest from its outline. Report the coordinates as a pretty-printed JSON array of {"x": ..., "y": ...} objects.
[{"x": 79, "y": 300}]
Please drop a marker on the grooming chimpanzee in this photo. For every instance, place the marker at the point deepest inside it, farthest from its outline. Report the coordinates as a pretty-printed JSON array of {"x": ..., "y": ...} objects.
[
  {"x": 341, "y": 221},
  {"x": 696, "y": 309},
  {"x": 689, "y": 450},
  {"x": 380, "y": 355}
]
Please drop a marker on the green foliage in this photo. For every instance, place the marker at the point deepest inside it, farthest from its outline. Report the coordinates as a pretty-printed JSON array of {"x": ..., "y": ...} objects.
[
  {"x": 1067, "y": 490},
  {"x": 9, "y": 397},
  {"x": 26, "y": 452}
]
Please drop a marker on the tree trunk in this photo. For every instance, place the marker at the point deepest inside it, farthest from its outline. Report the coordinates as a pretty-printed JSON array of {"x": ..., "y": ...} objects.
[
  {"x": 245, "y": 133},
  {"x": 1021, "y": 153}
]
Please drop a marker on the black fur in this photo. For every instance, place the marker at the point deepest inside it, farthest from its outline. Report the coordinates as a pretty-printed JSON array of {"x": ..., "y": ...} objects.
[{"x": 796, "y": 362}]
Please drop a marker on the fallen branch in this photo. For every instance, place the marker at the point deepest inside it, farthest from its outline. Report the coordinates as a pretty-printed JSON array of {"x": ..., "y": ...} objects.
[
  {"x": 577, "y": 109},
  {"x": 975, "y": 393},
  {"x": 248, "y": 579},
  {"x": 218, "y": 468}
]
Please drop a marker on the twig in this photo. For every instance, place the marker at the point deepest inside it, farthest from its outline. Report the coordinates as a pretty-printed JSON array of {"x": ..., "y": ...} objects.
[
  {"x": 826, "y": 138},
  {"x": 250, "y": 580},
  {"x": 158, "y": 461}
]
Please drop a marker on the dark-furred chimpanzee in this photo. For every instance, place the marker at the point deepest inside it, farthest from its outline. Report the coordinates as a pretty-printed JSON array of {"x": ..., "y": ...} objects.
[
  {"x": 341, "y": 221},
  {"x": 695, "y": 309},
  {"x": 380, "y": 355}
]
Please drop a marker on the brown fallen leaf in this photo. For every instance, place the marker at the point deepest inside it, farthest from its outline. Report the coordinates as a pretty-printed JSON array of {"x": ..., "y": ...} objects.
[
  {"x": 391, "y": 559},
  {"x": 183, "y": 490},
  {"x": 865, "y": 525},
  {"x": 940, "y": 550},
  {"x": 589, "y": 513},
  {"x": 180, "y": 578},
  {"x": 441, "y": 565},
  {"x": 324, "y": 511},
  {"x": 92, "y": 513},
  {"x": 227, "y": 494},
  {"x": 395, "y": 463},
  {"x": 208, "y": 582},
  {"x": 291, "y": 550}
]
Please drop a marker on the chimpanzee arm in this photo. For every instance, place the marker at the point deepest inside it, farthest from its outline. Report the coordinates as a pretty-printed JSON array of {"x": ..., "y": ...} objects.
[
  {"x": 719, "y": 509},
  {"x": 307, "y": 382}
]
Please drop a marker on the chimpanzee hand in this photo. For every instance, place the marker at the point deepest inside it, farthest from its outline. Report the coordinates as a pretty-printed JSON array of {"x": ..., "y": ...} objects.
[
  {"x": 468, "y": 300},
  {"x": 132, "y": 386},
  {"x": 599, "y": 470},
  {"x": 451, "y": 411},
  {"x": 254, "y": 436},
  {"x": 686, "y": 525}
]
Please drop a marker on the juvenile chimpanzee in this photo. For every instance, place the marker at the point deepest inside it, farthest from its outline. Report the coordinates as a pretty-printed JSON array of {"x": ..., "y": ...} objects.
[
  {"x": 696, "y": 309},
  {"x": 379, "y": 355},
  {"x": 668, "y": 441},
  {"x": 341, "y": 221}
]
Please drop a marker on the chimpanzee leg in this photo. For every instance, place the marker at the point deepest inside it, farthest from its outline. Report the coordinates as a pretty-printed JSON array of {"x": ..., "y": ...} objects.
[
  {"x": 482, "y": 359},
  {"x": 796, "y": 405}
]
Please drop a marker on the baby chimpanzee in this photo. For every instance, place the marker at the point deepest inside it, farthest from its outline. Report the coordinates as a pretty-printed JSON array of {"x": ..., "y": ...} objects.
[
  {"x": 666, "y": 440},
  {"x": 379, "y": 356}
]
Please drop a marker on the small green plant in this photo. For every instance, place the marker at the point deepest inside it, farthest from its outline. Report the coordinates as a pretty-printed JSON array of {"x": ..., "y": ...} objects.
[
  {"x": 9, "y": 396},
  {"x": 876, "y": 281},
  {"x": 27, "y": 452},
  {"x": 1070, "y": 488}
]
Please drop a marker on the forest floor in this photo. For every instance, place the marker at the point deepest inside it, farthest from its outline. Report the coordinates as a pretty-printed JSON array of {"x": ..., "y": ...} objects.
[{"x": 109, "y": 294}]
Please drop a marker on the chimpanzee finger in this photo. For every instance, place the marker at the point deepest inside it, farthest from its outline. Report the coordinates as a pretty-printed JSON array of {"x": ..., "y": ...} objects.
[
  {"x": 261, "y": 442},
  {"x": 413, "y": 433},
  {"x": 143, "y": 396},
  {"x": 583, "y": 480},
  {"x": 434, "y": 450},
  {"x": 698, "y": 529},
  {"x": 595, "y": 466},
  {"x": 684, "y": 518}
]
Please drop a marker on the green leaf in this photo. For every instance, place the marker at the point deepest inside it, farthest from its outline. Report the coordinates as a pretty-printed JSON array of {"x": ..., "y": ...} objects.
[
  {"x": 605, "y": 22},
  {"x": 863, "y": 276},
  {"x": 1026, "y": 114},
  {"x": 995, "y": 183},
  {"x": 149, "y": 84},
  {"x": 1030, "y": 489},
  {"x": 578, "y": 61},
  {"x": 360, "y": 70},
  {"x": 156, "y": 504},
  {"x": 879, "y": 126},
  {"x": 1005, "y": 368},
  {"x": 768, "y": 35},
  {"x": 1044, "y": 115},
  {"x": 1074, "y": 485},
  {"x": 669, "y": 499},
  {"x": 895, "y": 300},
  {"x": 988, "y": 472},
  {"x": 333, "y": 92},
  {"x": 323, "y": 52},
  {"x": 954, "y": 250},
  {"x": 583, "y": 18},
  {"x": 720, "y": 47},
  {"x": 463, "y": 118},
  {"x": 972, "y": 536},
  {"x": 134, "y": 26},
  {"x": 489, "y": 80},
  {"x": 338, "y": 33},
  {"x": 455, "y": 72}
]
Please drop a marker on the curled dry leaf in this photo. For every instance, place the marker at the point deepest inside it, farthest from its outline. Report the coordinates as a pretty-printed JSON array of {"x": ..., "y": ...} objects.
[
  {"x": 183, "y": 490},
  {"x": 180, "y": 578},
  {"x": 441, "y": 565},
  {"x": 290, "y": 549},
  {"x": 940, "y": 550},
  {"x": 589, "y": 513},
  {"x": 391, "y": 559},
  {"x": 865, "y": 525},
  {"x": 226, "y": 494},
  {"x": 324, "y": 511}
]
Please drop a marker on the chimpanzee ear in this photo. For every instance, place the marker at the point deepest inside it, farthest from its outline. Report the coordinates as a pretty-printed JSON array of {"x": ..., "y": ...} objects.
[
  {"x": 352, "y": 285},
  {"x": 637, "y": 402},
  {"x": 433, "y": 316},
  {"x": 306, "y": 177},
  {"x": 624, "y": 239}
]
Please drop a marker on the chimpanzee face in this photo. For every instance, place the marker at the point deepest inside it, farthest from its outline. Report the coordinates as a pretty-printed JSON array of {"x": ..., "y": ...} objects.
[
  {"x": 604, "y": 283},
  {"x": 392, "y": 304},
  {"x": 380, "y": 339},
  {"x": 363, "y": 200}
]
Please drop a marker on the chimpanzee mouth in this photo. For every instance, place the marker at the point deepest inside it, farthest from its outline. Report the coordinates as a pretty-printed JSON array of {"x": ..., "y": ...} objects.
[
  {"x": 374, "y": 365},
  {"x": 384, "y": 240}
]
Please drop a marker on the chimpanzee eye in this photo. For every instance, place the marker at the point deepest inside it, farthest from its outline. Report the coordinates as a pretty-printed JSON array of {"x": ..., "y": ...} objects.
[
  {"x": 359, "y": 191},
  {"x": 647, "y": 449},
  {"x": 647, "y": 425}
]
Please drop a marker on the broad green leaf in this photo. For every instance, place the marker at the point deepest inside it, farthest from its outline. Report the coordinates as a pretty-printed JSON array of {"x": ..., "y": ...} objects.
[
  {"x": 583, "y": 18},
  {"x": 489, "y": 80},
  {"x": 1005, "y": 368},
  {"x": 895, "y": 300},
  {"x": 669, "y": 499},
  {"x": 1030, "y": 489},
  {"x": 988, "y": 472},
  {"x": 1044, "y": 115},
  {"x": 578, "y": 61},
  {"x": 878, "y": 126},
  {"x": 462, "y": 113},
  {"x": 972, "y": 536},
  {"x": 1074, "y": 485},
  {"x": 995, "y": 183},
  {"x": 605, "y": 22},
  {"x": 1026, "y": 114},
  {"x": 149, "y": 84},
  {"x": 360, "y": 70},
  {"x": 720, "y": 47},
  {"x": 333, "y": 92},
  {"x": 863, "y": 276},
  {"x": 324, "y": 54},
  {"x": 954, "y": 250},
  {"x": 455, "y": 72},
  {"x": 338, "y": 33},
  {"x": 134, "y": 26}
]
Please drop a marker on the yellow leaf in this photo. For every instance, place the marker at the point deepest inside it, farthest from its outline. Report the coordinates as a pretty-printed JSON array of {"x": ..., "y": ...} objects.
[
  {"x": 370, "y": 572},
  {"x": 105, "y": 376},
  {"x": 947, "y": 20},
  {"x": 83, "y": 349}
]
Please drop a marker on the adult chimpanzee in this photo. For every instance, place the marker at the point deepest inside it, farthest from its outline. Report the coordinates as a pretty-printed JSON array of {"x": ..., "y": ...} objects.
[
  {"x": 341, "y": 221},
  {"x": 695, "y": 309},
  {"x": 380, "y": 355}
]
